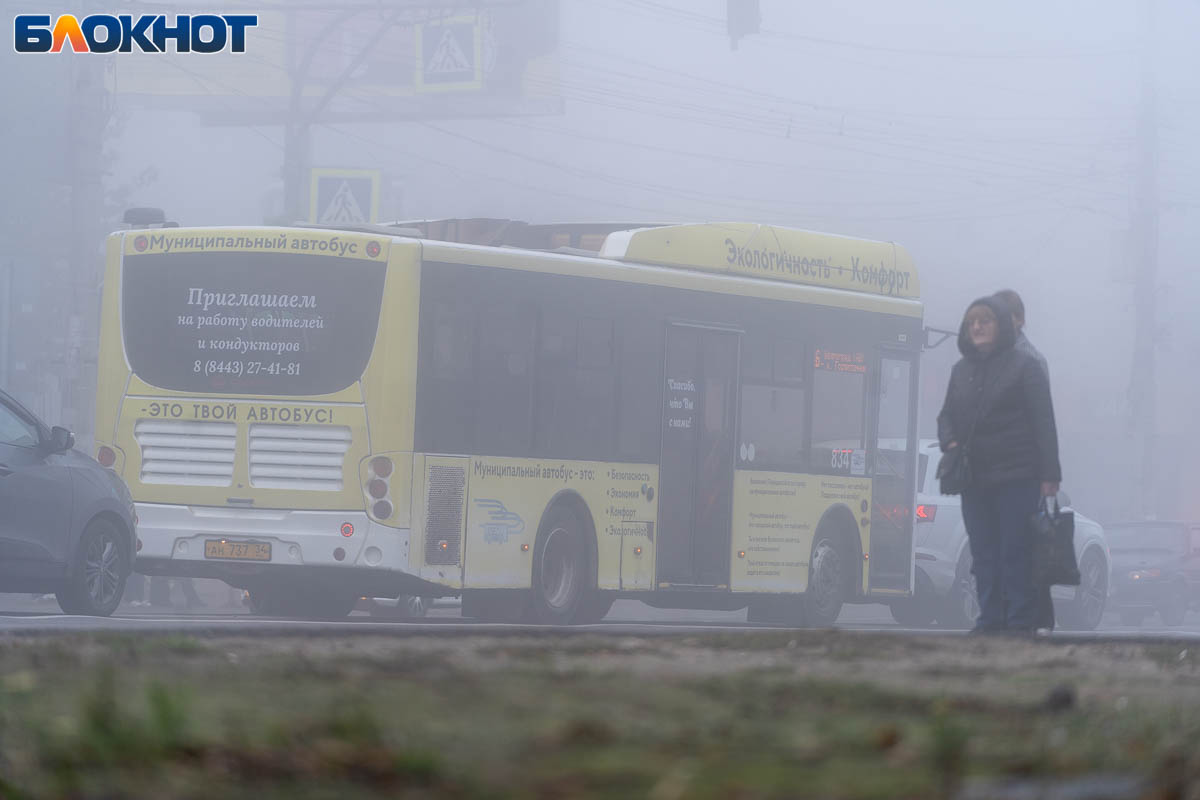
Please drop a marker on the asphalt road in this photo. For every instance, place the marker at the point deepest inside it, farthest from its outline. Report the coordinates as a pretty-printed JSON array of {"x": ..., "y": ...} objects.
[{"x": 223, "y": 612}]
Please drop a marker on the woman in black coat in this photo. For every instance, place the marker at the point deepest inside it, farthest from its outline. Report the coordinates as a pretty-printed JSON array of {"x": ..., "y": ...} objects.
[{"x": 998, "y": 409}]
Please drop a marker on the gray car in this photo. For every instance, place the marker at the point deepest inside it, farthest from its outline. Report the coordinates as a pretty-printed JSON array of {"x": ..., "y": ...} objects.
[
  {"x": 66, "y": 523},
  {"x": 944, "y": 586}
]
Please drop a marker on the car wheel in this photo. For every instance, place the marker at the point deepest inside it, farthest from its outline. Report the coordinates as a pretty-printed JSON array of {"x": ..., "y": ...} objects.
[
  {"x": 408, "y": 606},
  {"x": 414, "y": 606},
  {"x": 826, "y": 584},
  {"x": 960, "y": 609},
  {"x": 560, "y": 581},
  {"x": 1174, "y": 607},
  {"x": 96, "y": 577},
  {"x": 1091, "y": 595}
]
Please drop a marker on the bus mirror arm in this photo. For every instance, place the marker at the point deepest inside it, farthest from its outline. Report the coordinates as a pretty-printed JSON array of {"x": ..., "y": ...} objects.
[{"x": 942, "y": 335}]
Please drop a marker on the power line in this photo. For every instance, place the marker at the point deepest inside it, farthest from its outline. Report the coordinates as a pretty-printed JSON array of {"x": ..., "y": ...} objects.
[{"x": 719, "y": 24}]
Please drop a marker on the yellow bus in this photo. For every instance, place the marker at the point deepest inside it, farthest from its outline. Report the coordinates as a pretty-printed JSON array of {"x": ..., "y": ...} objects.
[{"x": 714, "y": 416}]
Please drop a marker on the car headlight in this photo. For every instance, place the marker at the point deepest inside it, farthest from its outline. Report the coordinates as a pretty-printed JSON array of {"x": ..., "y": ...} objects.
[{"x": 1145, "y": 574}]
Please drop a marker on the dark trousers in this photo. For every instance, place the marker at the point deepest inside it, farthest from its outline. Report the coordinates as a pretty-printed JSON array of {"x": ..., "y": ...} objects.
[{"x": 997, "y": 521}]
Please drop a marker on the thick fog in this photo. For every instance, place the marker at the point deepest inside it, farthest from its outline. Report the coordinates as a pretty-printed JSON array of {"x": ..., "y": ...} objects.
[{"x": 1005, "y": 145}]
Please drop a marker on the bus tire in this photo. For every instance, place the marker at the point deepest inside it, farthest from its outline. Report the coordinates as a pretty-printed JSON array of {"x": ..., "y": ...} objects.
[
  {"x": 828, "y": 577},
  {"x": 561, "y": 585}
]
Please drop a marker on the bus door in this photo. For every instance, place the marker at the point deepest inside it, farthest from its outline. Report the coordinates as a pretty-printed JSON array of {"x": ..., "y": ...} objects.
[
  {"x": 894, "y": 478},
  {"x": 696, "y": 472}
]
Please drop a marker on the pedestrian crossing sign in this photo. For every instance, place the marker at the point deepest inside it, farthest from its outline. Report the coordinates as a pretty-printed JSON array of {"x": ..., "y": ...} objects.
[
  {"x": 344, "y": 196},
  {"x": 450, "y": 54}
]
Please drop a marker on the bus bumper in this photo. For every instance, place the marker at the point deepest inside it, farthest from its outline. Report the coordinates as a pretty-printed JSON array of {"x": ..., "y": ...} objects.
[{"x": 172, "y": 542}]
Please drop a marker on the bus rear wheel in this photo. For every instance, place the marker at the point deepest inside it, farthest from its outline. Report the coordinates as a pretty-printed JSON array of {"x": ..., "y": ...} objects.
[
  {"x": 561, "y": 585},
  {"x": 827, "y": 579}
]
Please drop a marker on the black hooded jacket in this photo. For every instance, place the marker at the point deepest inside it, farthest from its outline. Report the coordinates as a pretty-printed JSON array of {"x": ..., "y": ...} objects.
[{"x": 1008, "y": 391}]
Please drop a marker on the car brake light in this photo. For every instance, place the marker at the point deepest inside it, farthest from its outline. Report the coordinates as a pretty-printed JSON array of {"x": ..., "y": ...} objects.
[
  {"x": 106, "y": 456},
  {"x": 926, "y": 513}
]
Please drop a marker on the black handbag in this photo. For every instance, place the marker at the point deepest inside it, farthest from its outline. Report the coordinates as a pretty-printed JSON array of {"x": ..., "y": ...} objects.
[
  {"x": 1054, "y": 560},
  {"x": 954, "y": 470},
  {"x": 954, "y": 467}
]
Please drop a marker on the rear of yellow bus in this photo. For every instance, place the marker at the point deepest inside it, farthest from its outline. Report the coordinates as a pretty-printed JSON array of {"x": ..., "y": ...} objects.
[{"x": 256, "y": 394}]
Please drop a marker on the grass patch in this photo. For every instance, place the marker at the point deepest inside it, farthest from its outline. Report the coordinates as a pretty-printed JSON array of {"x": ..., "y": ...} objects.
[{"x": 830, "y": 715}]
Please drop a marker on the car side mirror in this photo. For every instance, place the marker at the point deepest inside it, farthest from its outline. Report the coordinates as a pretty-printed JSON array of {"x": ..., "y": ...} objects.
[
  {"x": 1064, "y": 499},
  {"x": 61, "y": 439}
]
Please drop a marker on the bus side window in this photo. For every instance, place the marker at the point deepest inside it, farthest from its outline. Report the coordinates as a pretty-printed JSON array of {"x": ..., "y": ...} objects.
[
  {"x": 448, "y": 396},
  {"x": 595, "y": 343},
  {"x": 891, "y": 447},
  {"x": 453, "y": 343},
  {"x": 504, "y": 418},
  {"x": 838, "y": 410},
  {"x": 640, "y": 400},
  {"x": 557, "y": 356},
  {"x": 772, "y": 404},
  {"x": 596, "y": 389},
  {"x": 789, "y": 363}
]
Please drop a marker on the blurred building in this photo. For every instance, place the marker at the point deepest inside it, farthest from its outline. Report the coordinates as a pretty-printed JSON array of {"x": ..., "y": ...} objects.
[{"x": 53, "y": 222}]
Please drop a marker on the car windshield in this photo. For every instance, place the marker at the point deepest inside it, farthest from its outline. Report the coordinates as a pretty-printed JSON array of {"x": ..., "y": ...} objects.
[
  {"x": 16, "y": 431},
  {"x": 1159, "y": 537}
]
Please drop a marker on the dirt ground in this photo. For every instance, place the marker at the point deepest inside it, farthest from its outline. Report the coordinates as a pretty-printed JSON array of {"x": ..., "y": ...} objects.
[{"x": 753, "y": 714}]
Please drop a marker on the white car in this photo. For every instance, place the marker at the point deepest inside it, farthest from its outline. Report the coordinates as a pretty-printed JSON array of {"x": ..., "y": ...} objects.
[
  {"x": 406, "y": 606},
  {"x": 944, "y": 588}
]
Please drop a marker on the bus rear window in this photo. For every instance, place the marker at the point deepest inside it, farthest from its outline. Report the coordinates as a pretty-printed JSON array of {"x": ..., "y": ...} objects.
[{"x": 250, "y": 323}]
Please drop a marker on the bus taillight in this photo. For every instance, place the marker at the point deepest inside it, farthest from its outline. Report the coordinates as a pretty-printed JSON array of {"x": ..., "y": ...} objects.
[
  {"x": 379, "y": 469},
  {"x": 381, "y": 466},
  {"x": 106, "y": 456},
  {"x": 347, "y": 529}
]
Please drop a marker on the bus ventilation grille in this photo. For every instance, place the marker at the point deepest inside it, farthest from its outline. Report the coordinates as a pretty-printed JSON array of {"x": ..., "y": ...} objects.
[
  {"x": 443, "y": 525},
  {"x": 301, "y": 457},
  {"x": 186, "y": 453}
]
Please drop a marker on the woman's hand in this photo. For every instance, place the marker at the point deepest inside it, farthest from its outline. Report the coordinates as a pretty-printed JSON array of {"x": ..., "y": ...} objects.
[
  {"x": 952, "y": 445},
  {"x": 1049, "y": 488}
]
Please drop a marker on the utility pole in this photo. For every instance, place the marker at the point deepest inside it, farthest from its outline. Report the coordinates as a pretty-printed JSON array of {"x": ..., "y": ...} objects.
[
  {"x": 298, "y": 128},
  {"x": 1143, "y": 395}
]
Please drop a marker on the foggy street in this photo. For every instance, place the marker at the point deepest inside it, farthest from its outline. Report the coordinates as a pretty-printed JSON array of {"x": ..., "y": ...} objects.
[
  {"x": 397, "y": 395},
  {"x": 628, "y": 617}
]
